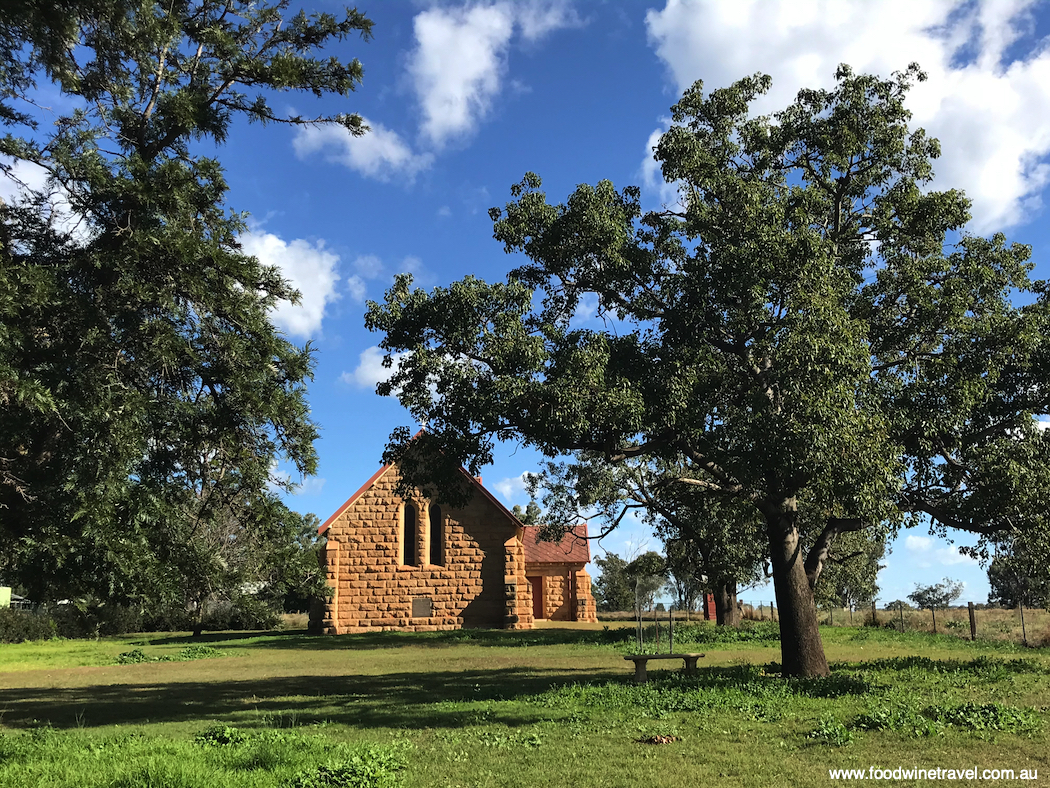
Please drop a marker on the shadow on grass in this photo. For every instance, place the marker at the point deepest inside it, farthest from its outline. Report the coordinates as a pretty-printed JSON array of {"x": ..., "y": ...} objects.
[
  {"x": 300, "y": 640},
  {"x": 396, "y": 700}
]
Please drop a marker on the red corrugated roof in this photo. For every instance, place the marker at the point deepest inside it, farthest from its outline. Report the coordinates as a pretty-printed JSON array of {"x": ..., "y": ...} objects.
[{"x": 573, "y": 548}]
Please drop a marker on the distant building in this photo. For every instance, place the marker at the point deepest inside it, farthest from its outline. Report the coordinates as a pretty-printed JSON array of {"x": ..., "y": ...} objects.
[{"x": 411, "y": 564}]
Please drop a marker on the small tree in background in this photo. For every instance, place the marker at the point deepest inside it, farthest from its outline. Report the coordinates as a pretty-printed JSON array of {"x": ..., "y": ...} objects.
[
  {"x": 1019, "y": 574},
  {"x": 937, "y": 595},
  {"x": 850, "y": 576},
  {"x": 530, "y": 515},
  {"x": 648, "y": 574},
  {"x": 613, "y": 589}
]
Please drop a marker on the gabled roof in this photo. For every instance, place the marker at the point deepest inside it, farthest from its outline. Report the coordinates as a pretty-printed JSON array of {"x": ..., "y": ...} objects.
[
  {"x": 574, "y": 547},
  {"x": 475, "y": 482},
  {"x": 324, "y": 526}
]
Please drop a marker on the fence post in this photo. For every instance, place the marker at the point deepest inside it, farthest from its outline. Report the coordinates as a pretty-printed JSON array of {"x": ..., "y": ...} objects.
[
  {"x": 933, "y": 610},
  {"x": 670, "y": 630},
  {"x": 901, "y": 606},
  {"x": 874, "y": 615},
  {"x": 973, "y": 622},
  {"x": 771, "y": 616},
  {"x": 1024, "y": 634}
]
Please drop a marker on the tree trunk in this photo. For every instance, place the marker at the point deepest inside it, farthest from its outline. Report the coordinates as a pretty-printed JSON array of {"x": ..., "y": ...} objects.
[
  {"x": 801, "y": 649},
  {"x": 727, "y": 614},
  {"x": 198, "y": 623}
]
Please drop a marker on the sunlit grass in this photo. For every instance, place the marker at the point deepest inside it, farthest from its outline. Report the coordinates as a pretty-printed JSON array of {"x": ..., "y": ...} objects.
[{"x": 550, "y": 707}]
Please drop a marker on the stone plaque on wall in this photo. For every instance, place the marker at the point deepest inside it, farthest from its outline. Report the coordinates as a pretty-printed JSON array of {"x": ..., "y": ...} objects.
[{"x": 422, "y": 607}]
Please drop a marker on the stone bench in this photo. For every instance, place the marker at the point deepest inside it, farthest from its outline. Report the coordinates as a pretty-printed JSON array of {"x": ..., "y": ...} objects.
[{"x": 640, "y": 676}]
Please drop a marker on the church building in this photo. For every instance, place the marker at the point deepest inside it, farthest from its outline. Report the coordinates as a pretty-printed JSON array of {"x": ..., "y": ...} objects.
[{"x": 411, "y": 564}]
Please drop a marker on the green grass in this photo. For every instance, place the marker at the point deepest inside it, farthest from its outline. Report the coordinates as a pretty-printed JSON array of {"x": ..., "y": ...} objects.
[{"x": 549, "y": 707}]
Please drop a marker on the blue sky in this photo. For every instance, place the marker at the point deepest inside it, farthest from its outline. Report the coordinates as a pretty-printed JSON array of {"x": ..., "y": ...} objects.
[{"x": 463, "y": 99}]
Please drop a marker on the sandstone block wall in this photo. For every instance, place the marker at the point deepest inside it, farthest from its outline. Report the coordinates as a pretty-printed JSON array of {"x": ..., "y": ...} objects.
[
  {"x": 373, "y": 590},
  {"x": 566, "y": 591}
]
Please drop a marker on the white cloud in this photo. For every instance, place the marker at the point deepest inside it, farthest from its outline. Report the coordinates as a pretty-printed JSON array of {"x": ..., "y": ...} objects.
[
  {"x": 992, "y": 117},
  {"x": 310, "y": 268},
  {"x": 310, "y": 486},
  {"x": 917, "y": 543},
  {"x": 444, "y": 211},
  {"x": 460, "y": 58},
  {"x": 370, "y": 370},
  {"x": 652, "y": 177},
  {"x": 511, "y": 488},
  {"x": 540, "y": 17},
  {"x": 950, "y": 555},
  {"x": 379, "y": 153},
  {"x": 368, "y": 266},
  {"x": 24, "y": 178},
  {"x": 357, "y": 288}
]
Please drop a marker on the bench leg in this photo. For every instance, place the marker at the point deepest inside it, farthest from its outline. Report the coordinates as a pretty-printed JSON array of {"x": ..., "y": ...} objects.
[
  {"x": 640, "y": 676},
  {"x": 690, "y": 665}
]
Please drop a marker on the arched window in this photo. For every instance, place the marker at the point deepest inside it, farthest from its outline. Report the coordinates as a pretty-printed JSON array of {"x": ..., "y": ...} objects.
[
  {"x": 410, "y": 536},
  {"x": 437, "y": 536}
]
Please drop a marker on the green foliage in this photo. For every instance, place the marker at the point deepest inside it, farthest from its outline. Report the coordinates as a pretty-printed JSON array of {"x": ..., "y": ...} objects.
[
  {"x": 18, "y": 626},
  {"x": 1019, "y": 573},
  {"x": 196, "y": 651},
  {"x": 220, "y": 735},
  {"x": 531, "y": 515},
  {"x": 936, "y": 595},
  {"x": 144, "y": 387},
  {"x": 647, "y": 574},
  {"x": 809, "y": 332},
  {"x": 899, "y": 718},
  {"x": 370, "y": 767},
  {"x": 850, "y": 574},
  {"x": 830, "y": 731},
  {"x": 933, "y": 719},
  {"x": 614, "y": 587}
]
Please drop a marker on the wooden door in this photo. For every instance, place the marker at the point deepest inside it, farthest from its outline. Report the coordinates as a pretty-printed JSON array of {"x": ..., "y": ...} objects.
[{"x": 537, "y": 597}]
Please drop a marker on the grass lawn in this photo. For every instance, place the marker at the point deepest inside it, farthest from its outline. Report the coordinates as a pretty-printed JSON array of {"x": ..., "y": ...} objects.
[{"x": 549, "y": 707}]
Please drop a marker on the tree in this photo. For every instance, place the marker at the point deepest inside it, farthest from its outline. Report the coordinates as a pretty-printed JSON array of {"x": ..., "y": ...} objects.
[
  {"x": 797, "y": 329},
  {"x": 647, "y": 574},
  {"x": 1019, "y": 574},
  {"x": 710, "y": 543},
  {"x": 614, "y": 589},
  {"x": 937, "y": 595},
  {"x": 685, "y": 584},
  {"x": 850, "y": 576},
  {"x": 146, "y": 393},
  {"x": 531, "y": 515}
]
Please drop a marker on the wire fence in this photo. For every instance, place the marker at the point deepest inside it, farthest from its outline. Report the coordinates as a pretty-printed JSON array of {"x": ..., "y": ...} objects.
[{"x": 1028, "y": 626}]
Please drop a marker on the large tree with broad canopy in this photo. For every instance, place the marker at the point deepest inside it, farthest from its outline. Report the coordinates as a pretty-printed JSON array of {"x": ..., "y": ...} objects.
[{"x": 809, "y": 322}]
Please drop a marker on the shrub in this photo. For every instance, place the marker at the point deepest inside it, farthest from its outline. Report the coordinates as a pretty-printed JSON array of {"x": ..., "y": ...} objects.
[
  {"x": 18, "y": 626},
  {"x": 220, "y": 735},
  {"x": 831, "y": 731},
  {"x": 370, "y": 767}
]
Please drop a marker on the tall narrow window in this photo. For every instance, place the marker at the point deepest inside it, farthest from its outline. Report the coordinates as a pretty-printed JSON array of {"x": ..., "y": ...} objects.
[
  {"x": 410, "y": 536},
  {"x": 437, "y": 534}
]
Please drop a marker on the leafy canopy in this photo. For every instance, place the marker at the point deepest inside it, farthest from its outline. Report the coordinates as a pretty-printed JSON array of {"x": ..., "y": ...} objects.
[
  {"x": 146, "y": 393},
  {"x": 809, "y": 331}
]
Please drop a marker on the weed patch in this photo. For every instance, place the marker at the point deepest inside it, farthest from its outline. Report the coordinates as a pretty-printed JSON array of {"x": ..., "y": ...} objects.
[
  {"x": 197, "y": 651},
  {"x": 373, "y": 766},
  {"x": 934, "y": 719},
  {"x": 831, "y": 732}
]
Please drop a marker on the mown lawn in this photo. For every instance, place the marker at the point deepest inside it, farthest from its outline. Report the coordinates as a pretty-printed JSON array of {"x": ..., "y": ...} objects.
[{"x": 551, "y": 707}]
